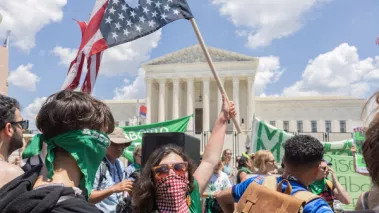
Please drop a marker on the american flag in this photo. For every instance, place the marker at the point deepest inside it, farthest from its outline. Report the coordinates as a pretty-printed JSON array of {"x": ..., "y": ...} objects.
[{"x": 114, "y": 22}]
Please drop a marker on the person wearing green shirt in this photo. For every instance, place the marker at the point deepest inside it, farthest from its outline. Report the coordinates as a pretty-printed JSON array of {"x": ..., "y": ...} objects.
[{"x": 168, "y": 182}]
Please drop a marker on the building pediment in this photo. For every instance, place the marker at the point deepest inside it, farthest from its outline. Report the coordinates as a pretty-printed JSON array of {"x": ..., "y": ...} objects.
[{"x": 194, "y": 54}]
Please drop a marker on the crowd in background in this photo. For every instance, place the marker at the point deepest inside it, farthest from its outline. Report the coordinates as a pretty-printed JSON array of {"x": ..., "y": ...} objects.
[{"x": 74, "y": 166}]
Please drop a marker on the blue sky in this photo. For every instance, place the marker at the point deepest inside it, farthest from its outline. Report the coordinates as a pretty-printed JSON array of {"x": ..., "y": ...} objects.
[{"x": 308, "y": 47}]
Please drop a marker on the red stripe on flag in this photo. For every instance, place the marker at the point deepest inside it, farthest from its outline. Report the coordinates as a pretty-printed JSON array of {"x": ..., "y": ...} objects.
[
  {"x": 93, "y": 26},
  {"x": 99, "y": 46},
  {"x": 93, "y": 66}
]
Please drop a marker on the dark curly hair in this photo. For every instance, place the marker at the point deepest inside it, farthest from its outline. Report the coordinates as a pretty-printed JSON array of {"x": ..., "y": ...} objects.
[
  {"x": 144, "y": 190},
  {"x": 8, "y": 108},
  {"x": 370, "y": 147},
  {"x": 303, "y": 151},
  {"x": 68, "y": 110}
]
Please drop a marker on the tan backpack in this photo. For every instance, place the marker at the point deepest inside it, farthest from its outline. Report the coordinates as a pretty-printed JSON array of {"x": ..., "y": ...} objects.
[{"x": 268, "y": 198}]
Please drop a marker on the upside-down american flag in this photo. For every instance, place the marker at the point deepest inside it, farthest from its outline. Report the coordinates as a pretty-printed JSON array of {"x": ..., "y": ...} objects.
[{"x": 114, "y": 22}]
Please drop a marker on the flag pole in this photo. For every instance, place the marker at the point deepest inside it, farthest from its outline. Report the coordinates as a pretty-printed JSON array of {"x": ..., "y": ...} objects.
[{"x": 213, "y": 69}]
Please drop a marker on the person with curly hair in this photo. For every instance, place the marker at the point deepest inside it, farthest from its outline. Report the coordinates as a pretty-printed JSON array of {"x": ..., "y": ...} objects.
[
  {"x": 302, "y": 157},
  {"x": 168, "y": 182},
  {"x": 11, "y": 137},
  {"x": 370, "y": 200}
]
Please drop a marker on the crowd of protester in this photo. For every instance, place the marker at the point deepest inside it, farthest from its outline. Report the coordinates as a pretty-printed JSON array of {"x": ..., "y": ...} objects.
[{"x": 75, "y": 165}]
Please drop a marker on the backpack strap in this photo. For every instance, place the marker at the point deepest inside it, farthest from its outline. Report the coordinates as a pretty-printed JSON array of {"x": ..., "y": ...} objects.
[
  {"x": 270, "y": 182},
  {"x": 103, "y": 173},
  {"x": 306, "y": 196},
  {"x": 364, "y": 200},
  {"x": 330, "y": 184}
]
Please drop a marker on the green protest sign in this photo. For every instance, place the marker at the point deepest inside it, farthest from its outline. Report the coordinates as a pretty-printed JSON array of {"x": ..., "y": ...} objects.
[
  {"x": 267, "y": 137},
  {"x": 359, "y": 139},
  {"x": 135, "y": 133},
  {"x": 353, "y": 183}
]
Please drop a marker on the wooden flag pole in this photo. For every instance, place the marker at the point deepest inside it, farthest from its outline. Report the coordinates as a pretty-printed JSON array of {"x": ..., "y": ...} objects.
[{"x": 213, "y": 69}]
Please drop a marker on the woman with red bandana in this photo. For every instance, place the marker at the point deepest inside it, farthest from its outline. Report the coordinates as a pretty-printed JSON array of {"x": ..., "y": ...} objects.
[{"x": 168, "y": 184}]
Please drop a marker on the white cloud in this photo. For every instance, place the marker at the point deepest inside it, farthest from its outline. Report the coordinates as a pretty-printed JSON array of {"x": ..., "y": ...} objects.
[
  {"x": 338, "y": 72},
  {"x": 66, "y": 55},
  {"x": 23, "y": 77},
  {"x": 134, "y": 90},
  {"x": 30, "y": 112},
  {"x": 263, "y": 21},
  {"x": 128, "y": 57},
  {"x": 119, "y": 59},
  {"x": 26, "y": 18},
  {"x": 268, "y": 72}
]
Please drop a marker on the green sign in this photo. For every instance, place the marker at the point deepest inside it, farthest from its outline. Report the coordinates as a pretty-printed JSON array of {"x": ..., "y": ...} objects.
[
  {"x": 267, "y": 137},
  {"x": 353, "y": 183},
  {"x": 135, "y": 133},
  {"x": 359, "y": 139}
]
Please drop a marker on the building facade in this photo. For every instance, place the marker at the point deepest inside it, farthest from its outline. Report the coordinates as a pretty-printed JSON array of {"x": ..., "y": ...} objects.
[
  {"x": 181, "y": 84},
  {"x": 4, "y": 70}
]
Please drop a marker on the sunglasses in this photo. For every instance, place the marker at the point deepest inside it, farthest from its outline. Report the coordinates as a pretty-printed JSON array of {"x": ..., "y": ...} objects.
[
  {"x": 163, "y": 170},
  {"x": 324, "y": 168},
  {"x": 24, "y": 124}
]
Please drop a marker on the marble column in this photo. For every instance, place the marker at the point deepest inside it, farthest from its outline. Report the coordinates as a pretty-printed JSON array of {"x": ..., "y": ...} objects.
[
  {"x": 148, "y": 101},
  {"x": 175, "y": 98},
  {"x": 206, "y": 104},
  {"x": 250, "y": 101},
  {"x": 190, "y": 106},
  {"x": 162, "y": 100},
  {"x": 236, "y": 90},
  {"x": 219, "y": 97}
]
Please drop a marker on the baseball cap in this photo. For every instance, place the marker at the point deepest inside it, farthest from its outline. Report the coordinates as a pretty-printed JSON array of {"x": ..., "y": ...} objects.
[
  {"x": 118, "y": 137},
  {"x": 327, "y": 162}
]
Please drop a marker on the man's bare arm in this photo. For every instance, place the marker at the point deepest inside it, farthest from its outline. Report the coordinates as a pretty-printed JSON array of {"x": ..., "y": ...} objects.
[{"x": 226, "y": 200}]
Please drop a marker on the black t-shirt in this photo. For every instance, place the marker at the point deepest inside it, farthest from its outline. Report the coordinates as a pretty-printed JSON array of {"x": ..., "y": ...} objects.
[{"x": 18, "y": 196}]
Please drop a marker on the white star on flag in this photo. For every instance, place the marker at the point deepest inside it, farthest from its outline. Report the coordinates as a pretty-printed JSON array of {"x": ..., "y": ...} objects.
[
  {"x": 121, "y": 17},
  {"x": 151, "y": 23},
  {"x": 115, "y": 2},
  {"x": 129, "y": 23},
  {"x": 157, "y": 4},
  {"x": 167, "y": 7},
  {"x": 118, "y": 26},
  {"x": 114, "y": 35},
  {"x": 149, "y": 2},
  {"x": 138, "y": 28},
  {"x": 124, "y": 7},
  {"x": 108, "y": 20},
  {"x": 142, "y": 19},
  {"x": 133, "y": 13},
  {"x": 170, "y": 1},
  {"x": 126, "y": 32},
  {"x": 164, "y": 16},
  {"x": 112, "y": 10},
  {"x": 154, "y": 14},
  {"x": 145, "y": 10},
  {"x": 176, "y": 12}
]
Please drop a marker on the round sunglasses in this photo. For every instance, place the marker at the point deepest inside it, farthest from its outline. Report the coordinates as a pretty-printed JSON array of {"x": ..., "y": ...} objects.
[{"x": 163, "y": 170}]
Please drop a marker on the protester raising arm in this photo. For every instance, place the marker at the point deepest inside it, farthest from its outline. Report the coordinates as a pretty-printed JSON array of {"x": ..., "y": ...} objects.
[
  {"x": 213, "y": 149},
  {"x": 353, "y": 151}
]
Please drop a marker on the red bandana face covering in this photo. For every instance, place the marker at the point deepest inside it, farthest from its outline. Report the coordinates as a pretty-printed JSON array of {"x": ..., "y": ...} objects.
[{"x": 171, "y": 192}]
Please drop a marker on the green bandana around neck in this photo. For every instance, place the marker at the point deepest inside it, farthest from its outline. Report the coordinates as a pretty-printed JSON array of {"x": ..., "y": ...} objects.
[
  {"x": 318, "y": 186},
  {"x": 87, "y": 147}
]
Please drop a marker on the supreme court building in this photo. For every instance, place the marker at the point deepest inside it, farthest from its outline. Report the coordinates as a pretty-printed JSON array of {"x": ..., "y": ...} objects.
[{"x": 181, "y": 84}]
